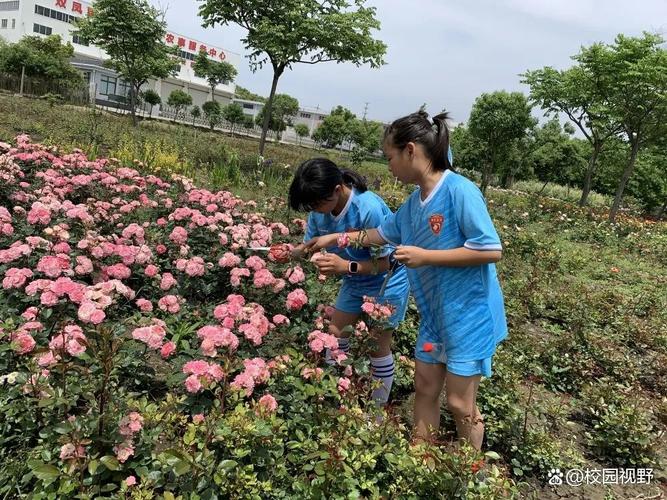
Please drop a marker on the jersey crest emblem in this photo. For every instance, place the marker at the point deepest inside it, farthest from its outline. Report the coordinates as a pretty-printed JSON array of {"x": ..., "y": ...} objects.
[{"x": 435, "y": 222}]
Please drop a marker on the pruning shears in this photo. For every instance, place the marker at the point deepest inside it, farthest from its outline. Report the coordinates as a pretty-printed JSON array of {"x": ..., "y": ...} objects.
[{"x": 393, "y": 265}]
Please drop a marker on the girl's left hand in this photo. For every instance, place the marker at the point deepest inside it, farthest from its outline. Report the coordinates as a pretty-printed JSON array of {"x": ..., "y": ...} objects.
[
  {"x": 331, "y": 263},
  {"x": 411, "y": 256}
]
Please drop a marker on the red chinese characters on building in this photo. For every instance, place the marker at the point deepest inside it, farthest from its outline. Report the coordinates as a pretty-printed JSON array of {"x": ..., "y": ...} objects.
[
  {"x": 192, "y": 45},
  {"x": 222, "y": 56},
  {"x": 61, "y": 3},
  {"x": 212, "y": 52},
  {"x": 169, "y": 38},
  {"x": 181, "y": 41},
  {"x": 77, "y": 7},
  {"x": 203, "y": 48}
]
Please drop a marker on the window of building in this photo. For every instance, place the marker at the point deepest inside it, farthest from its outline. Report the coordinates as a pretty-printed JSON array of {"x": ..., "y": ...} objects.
[
  {"x": 55, "y": 14},
  {"x": 9, "y": 5},
  {"x": 3, "y": 23},
  {"x": 247, "y": 105},
  {"x": 320, "y": 118},
  {"x": 305, "y": 115},
  {"x": 86, "y": 76},
  {"x": 123, "y": 88},
  {"x": 41, "y": 29},
  {"x": 79, "y": 41},
  {"x": 13, "y": 23},
  {"x": 108, "y": 85},
  {"x": 186, "y": 55}
]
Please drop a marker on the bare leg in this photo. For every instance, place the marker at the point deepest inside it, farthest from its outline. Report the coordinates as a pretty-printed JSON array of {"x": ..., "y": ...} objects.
[
  {"x": 429, "y": 381},
  {"x": 461, "y": 401}
]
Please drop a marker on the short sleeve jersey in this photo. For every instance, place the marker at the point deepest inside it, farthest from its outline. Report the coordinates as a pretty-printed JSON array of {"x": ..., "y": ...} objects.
[
  {"x": 363, "y": 211},
  {"x": 461, "y": 305}
]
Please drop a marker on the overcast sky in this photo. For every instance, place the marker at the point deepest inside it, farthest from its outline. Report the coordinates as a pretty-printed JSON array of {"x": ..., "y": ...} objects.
[{"x": 443, "y": 53}]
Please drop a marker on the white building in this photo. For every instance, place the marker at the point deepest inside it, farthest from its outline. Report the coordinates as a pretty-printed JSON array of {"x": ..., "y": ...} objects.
[
  {"x": 312, "y": 117},
  {"x": 19, "y": 18}
]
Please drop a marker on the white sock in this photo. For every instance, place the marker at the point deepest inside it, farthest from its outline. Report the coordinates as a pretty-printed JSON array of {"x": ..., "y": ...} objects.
[
  {"x": 343, "y": 345},
  {"x": 382, "y": 369}
]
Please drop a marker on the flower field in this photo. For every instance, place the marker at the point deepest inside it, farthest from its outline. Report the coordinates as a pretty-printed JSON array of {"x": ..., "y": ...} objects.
[{"x": 146, "y": 350}]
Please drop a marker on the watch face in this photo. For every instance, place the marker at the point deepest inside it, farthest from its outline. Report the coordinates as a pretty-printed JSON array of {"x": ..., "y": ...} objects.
[{"x": 354, "y": 267}]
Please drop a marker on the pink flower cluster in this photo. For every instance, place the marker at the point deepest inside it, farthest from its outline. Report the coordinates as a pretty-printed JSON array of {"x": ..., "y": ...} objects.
[
  {"x": 213, "y": 337},
  {"x": 201, "y": 375},
  {"x": 255, "y": 372},
  {"x": 376, "y": 311},
  {"x": 296, "y": 299},
  {"x": 128, "y": 426},
  {"x": 16, "y": 277},
  {"x": 153, "y": 336}
]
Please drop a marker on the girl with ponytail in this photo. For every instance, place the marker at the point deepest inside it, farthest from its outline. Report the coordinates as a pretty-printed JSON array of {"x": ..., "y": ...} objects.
[
  {"x": 339, "y": 201},
  {"x": 444, "y": 235}
]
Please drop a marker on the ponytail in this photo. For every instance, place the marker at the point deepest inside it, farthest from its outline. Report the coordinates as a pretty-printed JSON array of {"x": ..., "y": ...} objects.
[
  {"x": 417, "y": 128},
  {"x": 353, "y": 179}
]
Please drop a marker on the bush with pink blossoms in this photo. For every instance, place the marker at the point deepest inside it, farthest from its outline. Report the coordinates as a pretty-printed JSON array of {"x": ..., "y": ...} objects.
[{"x": 131, "y": 302}]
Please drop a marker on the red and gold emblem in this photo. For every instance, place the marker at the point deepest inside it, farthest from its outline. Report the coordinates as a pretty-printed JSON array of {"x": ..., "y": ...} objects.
[{"x": 436, "y": 221}]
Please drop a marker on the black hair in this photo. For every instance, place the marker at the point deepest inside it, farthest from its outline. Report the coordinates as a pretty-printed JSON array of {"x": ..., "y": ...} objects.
[
  {"x": 316, "y": 179},
  {"x": 417, "y": 128}
]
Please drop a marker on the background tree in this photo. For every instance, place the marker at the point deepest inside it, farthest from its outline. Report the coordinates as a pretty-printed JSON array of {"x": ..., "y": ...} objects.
[
  {"x": 233, "y": 113},
  {"x": 299, "y": 31},
  {"x": 212, "y": 112},
  {"x": 285, "y": 108},
  {"x": 582, "y": 93},
  {"x": 556, "y": 156},
  {"x": 215, "y": 72},
  {"x": 131, "y": 32},
  {"x": 366, "y": 134},
  {"x": 195, "y": 112},
  {"x": 468, "y": 150},
  {"x": 638, "y": 97},
  {"x": 248, "y": 122},
  {"x": 151, "y": 97},
  {"x": 243, "y": 93},
  {"x": 336, "y": 128},
  {"x": 496, "y": 120},
  {"x": 301, "y": 130},
  {"x": 180, "y": 101},
  {"x": 45, "y": 58}
]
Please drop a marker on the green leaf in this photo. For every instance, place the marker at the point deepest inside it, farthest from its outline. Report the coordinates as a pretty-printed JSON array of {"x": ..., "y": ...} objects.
[
  {"x": 110, "y": 462},
  {"x": 92, "y": 467},
  {"x": 228, "y": 465},
  {"x": 45, "y": 472}
]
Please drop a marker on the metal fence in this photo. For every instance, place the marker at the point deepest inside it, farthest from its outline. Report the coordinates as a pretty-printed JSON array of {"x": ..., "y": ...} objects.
[{"x": 37, "y": 87}]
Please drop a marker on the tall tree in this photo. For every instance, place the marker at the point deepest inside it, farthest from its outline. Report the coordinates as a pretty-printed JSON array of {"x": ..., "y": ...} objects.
[
  {"x": 299, "y": 31},
  {"x": 638, "y": 98},
  {"x": 582, "y": 94},
  {"x": 212, "y": 112},
  {"x": 179, "y": 100},
  {"x": 46, "y": 58},
  {"x": 132, "y": 33},
  {"x": 496, "y": 120},
  {"x": 215, "y": 72},
  {"x": 301, "y": 130}
]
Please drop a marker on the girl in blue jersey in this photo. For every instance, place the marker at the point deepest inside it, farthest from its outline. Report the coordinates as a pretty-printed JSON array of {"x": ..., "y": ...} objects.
[
  {"x": 444, "y": 235},
  {"x": 338, "y": 201}
]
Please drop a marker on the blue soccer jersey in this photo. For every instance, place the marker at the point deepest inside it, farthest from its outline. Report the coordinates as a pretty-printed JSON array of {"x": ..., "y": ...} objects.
[
  {"x": 461, "y": 306},
  {"x": 363, "y": 211}
]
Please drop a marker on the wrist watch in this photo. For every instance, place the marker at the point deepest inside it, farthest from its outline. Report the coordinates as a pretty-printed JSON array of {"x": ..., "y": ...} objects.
[{"x": 353, "y": 267}]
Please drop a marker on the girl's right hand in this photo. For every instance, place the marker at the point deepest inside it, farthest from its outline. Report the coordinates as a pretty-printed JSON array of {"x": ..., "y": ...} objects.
[{"x": 317, "y": 244}]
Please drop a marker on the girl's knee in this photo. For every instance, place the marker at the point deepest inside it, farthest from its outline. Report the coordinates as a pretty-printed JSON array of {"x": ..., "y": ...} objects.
[
  {"x": 461, "y": 407},
  {"x": 427, "y": 387}
]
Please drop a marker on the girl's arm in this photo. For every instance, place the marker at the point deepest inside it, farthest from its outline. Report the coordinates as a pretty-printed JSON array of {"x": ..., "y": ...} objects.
[
  {"x": 299, "y": 251},
  {"x": 366, "y": 238},
  {"x": 455, "y": 257},
  {"x": 331, "y": 263}
]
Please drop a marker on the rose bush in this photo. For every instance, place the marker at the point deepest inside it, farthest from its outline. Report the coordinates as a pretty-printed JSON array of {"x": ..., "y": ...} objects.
[{"x": 146, "y": 350}]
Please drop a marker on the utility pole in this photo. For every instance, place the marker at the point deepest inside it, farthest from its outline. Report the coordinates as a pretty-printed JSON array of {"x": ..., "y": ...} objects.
[{"x": 365, "y": 110}]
